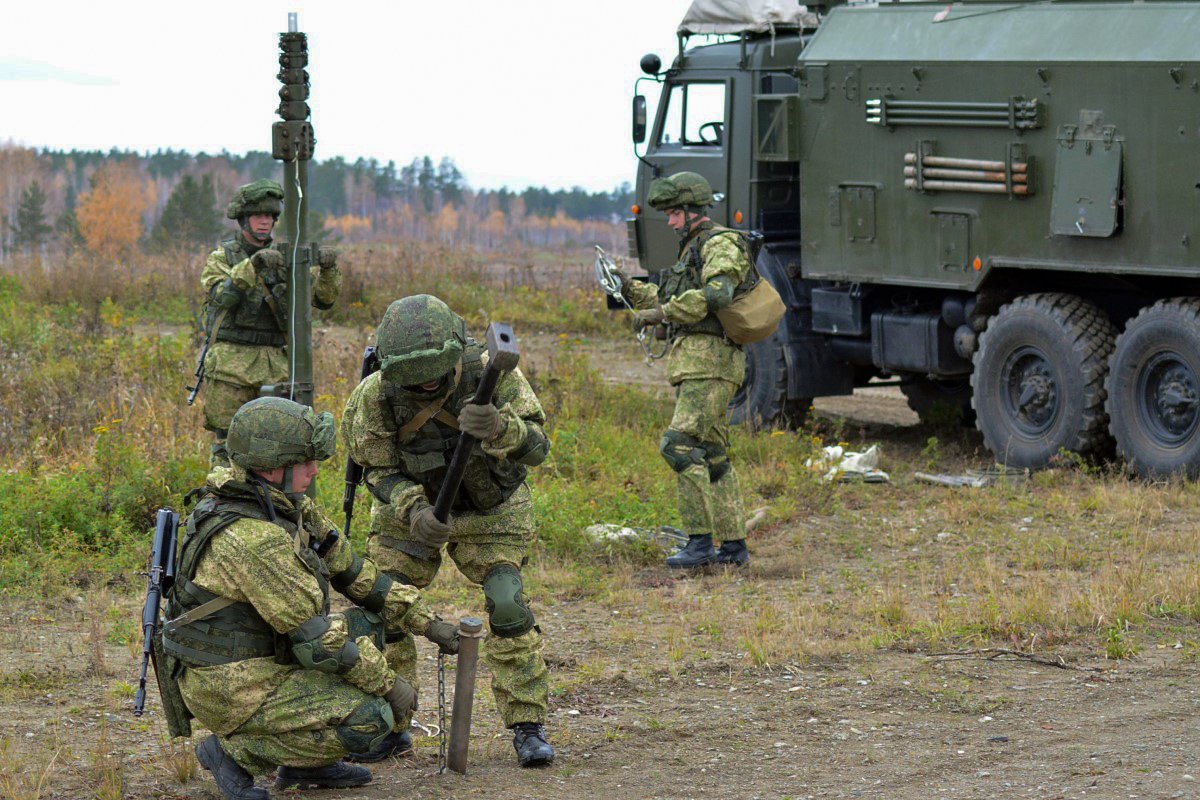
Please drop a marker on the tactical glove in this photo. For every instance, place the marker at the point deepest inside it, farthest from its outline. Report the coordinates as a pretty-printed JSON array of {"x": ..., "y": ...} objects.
[
  {"x": 425, "y": 527},
  {"x": 327, "y": 257},
  {"x": 649, "y": 316},
  {"x": 402, "y": 698},
  {"x": 481, "y": 421},
  {"x": 266, "y": 260},
  {"x": 444, "y": 635},
  {"x": 623, "y": 277}
]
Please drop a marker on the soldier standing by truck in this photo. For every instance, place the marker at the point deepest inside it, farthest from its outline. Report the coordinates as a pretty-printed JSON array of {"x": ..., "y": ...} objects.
[
  {"x": 402, "y": 425},
  {"x": 704, "y": 366},
  {"x": 247, "y": 309}
]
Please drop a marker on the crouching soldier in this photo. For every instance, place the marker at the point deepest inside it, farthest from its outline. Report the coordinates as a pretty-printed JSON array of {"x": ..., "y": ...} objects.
[
  {"x": 402, "y": 424},
  {"x": 257, "y": 655}
]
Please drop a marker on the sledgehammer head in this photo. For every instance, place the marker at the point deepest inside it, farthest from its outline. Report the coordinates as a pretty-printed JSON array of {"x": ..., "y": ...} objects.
[{"x": 502, "y": 347}]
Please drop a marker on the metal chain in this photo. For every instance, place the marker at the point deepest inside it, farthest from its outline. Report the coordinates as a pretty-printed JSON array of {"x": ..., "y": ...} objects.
[{"x": 441, "y": 672}]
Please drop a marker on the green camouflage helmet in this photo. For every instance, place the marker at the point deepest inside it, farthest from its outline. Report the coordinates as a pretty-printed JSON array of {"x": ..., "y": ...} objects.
[
  {"x": 272, "y": 432},
  {"x": 261, "y": 197},
  {"x": 419, "y": 340},
  {"x": 680, "y": 190}
]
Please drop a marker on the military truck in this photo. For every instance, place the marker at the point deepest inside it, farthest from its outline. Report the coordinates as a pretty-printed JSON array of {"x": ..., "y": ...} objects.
[{"x": 995, "y": 205}]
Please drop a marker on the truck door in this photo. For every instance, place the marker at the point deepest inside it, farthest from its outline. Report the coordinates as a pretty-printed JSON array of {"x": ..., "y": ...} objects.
[{"x": 692, "y": 133}]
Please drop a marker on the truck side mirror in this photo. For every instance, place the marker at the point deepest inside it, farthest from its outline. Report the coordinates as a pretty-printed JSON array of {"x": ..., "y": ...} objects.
[{"x": 639, "y": 119}]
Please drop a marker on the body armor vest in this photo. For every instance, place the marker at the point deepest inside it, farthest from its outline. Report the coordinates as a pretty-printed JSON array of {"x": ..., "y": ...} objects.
[
  {"x": 235, "y": 632},
  {"x": 256, "y": 320},
  {"x": 425, "y": 455},
  {"x": 687, "y": 274}
]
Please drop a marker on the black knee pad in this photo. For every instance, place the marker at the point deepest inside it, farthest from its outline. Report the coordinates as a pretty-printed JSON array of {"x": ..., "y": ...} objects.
[
  {"x": 681, "y": 451},
  {"x": 366, "y": 725},
  {"x": 717, "y": 462},
  {"x": 508, "y": 616}
]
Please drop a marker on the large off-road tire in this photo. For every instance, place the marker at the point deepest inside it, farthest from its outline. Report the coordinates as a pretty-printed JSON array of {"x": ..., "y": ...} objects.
[
  {"x": 1154, "y": 390},
  {"x": 940, "y": 402},
  {"x": 1039, "y": 379},
  {"x": 762, "y": 401}
]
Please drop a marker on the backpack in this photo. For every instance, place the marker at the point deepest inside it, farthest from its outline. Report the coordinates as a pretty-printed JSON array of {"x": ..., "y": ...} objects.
[{"x": 757, "y": 308}]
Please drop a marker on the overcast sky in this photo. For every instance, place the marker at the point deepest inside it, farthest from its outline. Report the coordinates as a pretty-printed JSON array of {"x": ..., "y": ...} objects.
[{"x": 516, "y": 92}]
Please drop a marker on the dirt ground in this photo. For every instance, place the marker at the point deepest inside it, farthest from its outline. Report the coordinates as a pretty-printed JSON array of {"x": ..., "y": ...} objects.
[{"x": 885, "y": 724}]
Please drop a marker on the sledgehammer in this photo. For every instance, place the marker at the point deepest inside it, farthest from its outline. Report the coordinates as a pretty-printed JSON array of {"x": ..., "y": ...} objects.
[{"x": 502, "y": 357}]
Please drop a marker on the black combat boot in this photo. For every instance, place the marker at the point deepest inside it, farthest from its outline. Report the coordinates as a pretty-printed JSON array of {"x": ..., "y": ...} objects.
[
  {"x": 338, "y": 775},
  {"x": 233, "y": 781},
  {"x": 733, "y": 553},
  {"x": 698, "y": 552},
  {"x": 394, "y": 744},
  {"x": 529, "y": 740}
]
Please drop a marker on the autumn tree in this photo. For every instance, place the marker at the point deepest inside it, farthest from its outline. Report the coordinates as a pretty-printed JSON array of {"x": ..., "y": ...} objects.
[
  {"x": 110, "y": 213},
  {"x": 29, "y": 228},
  {"x": 190, "y": 218}
]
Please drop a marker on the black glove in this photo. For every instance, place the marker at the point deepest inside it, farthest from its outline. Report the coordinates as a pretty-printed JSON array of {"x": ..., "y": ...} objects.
[
  {"x": 327, "y": 257},
  {"x": 481, "y": 421},
  {"x": 444, "y": 635},
  {"x": 648, "y": 316},
  {"x": 266, "y": 260},
  {"x": 425, "y": 527},
  {"x": 402, "y": 697}
]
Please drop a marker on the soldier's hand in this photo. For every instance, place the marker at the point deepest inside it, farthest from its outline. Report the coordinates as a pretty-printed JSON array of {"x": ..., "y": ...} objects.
[
  {"x": 267, "y": 259},
  {"x": 444, "y": 635},
  {"x": 327, "y": 257},
  {"x": 402, "y": 698},
  {"x": 481, "y": 421},
  {"x": 425, "y": 527},
  {"x": 622, "y": 276},
  {"x": 647, "y": 316}
]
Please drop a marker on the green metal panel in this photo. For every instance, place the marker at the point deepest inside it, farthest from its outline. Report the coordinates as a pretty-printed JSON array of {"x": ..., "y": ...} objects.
[
  {"x": 1087, "y": 188},
  {"x": 776, "y": 128},
  {"x": 954, "y": 241}
]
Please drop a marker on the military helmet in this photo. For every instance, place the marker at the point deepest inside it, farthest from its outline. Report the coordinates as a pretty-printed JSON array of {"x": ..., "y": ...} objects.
[
  {"x": 419, "y": 340},
  {"x": 272, "y": 432},
  {"x": 261, "y": 197},
  {"x": 679, "y": 191}
]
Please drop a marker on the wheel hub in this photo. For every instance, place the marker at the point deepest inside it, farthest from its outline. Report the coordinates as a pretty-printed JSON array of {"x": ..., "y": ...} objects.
[
  {"x": 1170, "y": 398},
  {"x": 1031, "y": 395}
]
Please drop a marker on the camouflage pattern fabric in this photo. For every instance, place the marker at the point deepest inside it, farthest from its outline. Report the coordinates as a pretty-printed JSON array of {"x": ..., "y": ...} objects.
[
  {"x": 478, "y": 543},
  {"x": 680, "y": 190},
  {"x": 296, "y": 724},
  {"x": 706, "y": 506},
  {"x": 258, "y": 562},
  {"x": 263, "y": 196}
]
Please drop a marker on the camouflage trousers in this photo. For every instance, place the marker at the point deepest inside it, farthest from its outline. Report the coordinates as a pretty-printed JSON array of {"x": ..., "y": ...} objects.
[
  {"x": 312, "y": 719},
  {"x": 233, "y": 374},
  {"x": 478, "y": 544},
  {"x": 707, "y": 506}
]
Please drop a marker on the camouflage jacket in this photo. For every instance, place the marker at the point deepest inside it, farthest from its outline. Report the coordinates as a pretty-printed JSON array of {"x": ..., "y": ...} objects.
[
  {"x": 699, "y": 349},
  {"x": 399, "y": 471},
  {"x": 259, "y": 563}
]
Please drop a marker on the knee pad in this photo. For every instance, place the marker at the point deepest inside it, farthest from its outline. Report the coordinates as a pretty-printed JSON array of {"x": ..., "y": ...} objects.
[
  {"x": 717, "y": 462},
  {"x": 366, "y": 725},
  {"x": 361, "y": 622},
  {"x": 681, "y": 451},
  {"x": 508, "y": 616}
]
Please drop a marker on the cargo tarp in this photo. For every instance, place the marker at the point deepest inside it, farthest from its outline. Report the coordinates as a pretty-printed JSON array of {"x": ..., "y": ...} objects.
[{"x": 744, "y": 16}]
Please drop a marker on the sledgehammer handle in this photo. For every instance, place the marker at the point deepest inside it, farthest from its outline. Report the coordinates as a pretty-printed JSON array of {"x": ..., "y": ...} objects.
[
  {"x": 502, "y": 357},
  {"x": 470, "y": 630}
]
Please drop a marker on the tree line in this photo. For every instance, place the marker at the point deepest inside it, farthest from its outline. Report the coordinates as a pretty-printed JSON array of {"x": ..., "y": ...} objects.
[{"x": 117, "y": 202}]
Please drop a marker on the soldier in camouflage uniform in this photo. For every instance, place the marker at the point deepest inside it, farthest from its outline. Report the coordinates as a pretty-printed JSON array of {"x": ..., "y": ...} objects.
[
  {"x": 247, "y": 287},
  {"x": 401, "y": 424},
  {"x": 250, "y": 642},
  {"x": 704, "y": 366}
]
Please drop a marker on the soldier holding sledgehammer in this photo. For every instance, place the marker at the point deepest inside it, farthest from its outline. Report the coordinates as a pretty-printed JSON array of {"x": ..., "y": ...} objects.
[{"x": 402, "y": 424}]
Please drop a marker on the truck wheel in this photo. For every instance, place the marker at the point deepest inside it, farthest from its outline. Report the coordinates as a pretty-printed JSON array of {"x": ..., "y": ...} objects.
[
  {"x": 940, "y": 402},
  {"x": 762, "y": 401},
  {"x": 1039, "y": 379},
  {"x": 1154, "y": 390}
]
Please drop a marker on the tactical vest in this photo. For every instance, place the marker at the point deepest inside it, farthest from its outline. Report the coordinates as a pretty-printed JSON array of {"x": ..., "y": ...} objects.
[
  {"x": 235, "y": 632},
  {"x": 687, "y": 274},
  {"x": 425, "y": 454},
  {"x": 256, "y": 320}
]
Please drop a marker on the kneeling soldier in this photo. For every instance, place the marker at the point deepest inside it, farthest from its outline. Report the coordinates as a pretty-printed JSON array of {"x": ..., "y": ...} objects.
[
  {"x": 402, "y": 424},
  {"x": 257, "y": 655}
]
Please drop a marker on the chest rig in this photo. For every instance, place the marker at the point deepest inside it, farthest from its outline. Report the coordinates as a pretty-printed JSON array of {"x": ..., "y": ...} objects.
[
  {"x": 426, "y": 451},
  {"x": 203, "y": 629},
  {"x": 687, "y": 274},
  {"x": 261, "y": 317}
]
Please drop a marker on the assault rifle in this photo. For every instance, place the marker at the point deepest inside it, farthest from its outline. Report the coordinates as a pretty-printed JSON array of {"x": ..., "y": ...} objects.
[
  {"x": 199, "y": 373},
  {"x": 354, "y": 470},
  {"x": 162, "y": 577}
]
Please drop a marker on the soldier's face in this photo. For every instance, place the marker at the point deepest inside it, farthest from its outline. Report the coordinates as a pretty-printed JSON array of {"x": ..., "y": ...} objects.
[
  {"x": 303, "y": 474},
  {"x": 261, "y": 224},
  {"x": 676, "y": 219}
]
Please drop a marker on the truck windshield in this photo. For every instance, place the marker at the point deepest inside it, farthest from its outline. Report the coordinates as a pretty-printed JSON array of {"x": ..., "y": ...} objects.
[{"x": 695, "y": 116}]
